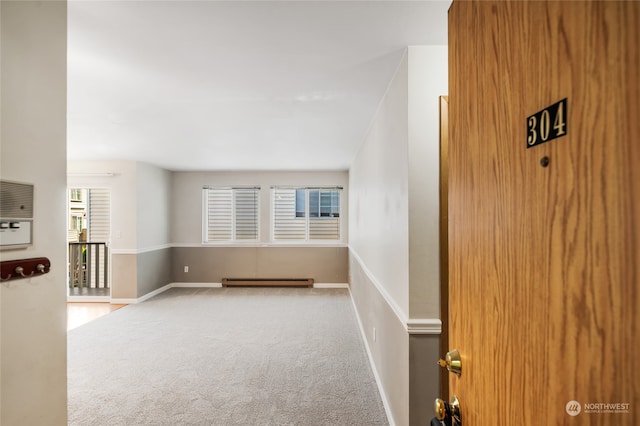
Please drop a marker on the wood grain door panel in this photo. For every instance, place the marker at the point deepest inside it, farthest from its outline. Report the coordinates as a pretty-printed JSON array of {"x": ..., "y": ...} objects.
[{"x": 543, "y": 261}]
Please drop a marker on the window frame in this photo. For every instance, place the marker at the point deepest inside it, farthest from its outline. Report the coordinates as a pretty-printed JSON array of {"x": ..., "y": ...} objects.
[
  {"x": 306, "y": 215},
  {"x": 234, "y": 217}
]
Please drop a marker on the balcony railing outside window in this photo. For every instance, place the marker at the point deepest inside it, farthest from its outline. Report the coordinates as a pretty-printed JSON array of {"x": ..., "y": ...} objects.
[{"x": 88, "y": 269}]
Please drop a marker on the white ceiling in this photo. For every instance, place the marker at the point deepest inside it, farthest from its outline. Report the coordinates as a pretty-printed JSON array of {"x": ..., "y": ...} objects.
[{"x": 235, "y": 85}]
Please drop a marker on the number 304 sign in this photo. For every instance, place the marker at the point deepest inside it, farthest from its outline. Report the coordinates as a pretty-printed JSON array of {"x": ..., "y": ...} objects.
[{"x": 548, "y": 124}]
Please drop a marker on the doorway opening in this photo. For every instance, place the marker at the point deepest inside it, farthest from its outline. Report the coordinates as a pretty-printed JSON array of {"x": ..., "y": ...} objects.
[{"x": 88, "y": 237}]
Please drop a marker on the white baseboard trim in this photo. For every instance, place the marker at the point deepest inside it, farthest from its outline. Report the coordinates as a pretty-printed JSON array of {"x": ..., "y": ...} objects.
[
  {"x": 383, "y": 395},
  {"x": 196, "y": 285},
  {"x": 88, "y": 299},
  {"x": 154, "y": 293},
  {"x": 133, "y": 301},
  {"x": 330, "y": 285},
  {"x": 125, "y": 301}
]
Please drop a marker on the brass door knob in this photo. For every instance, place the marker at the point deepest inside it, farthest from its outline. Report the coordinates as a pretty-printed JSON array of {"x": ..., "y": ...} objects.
[
  {"x": 441, "y": 409},
  {"x": 448, "y": 412},
  {"x": 452, "y": 362}
]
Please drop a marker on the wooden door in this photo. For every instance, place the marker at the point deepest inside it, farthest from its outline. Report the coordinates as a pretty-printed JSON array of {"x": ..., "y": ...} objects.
[
  {"x": 544, "y": 242},
  {"x": 444, "y": 236}
]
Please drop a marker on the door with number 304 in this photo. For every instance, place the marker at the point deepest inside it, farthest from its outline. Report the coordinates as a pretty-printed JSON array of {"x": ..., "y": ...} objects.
[
  {"x": 548, "y": 124},
  {"x": 544, "y": 212}
]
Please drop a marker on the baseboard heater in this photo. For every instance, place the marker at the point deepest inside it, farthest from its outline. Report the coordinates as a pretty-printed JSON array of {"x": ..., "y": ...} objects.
[{"x": 267, "y": 282}]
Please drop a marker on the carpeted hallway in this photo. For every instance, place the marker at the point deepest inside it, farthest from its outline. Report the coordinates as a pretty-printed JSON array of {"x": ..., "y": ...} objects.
[{"x": 227, "y": 356}]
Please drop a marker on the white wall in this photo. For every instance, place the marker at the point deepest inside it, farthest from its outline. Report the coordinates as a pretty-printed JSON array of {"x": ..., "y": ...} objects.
[
  {"x": 394, "y": 231},
  {"x": 153, "y": 206},
  {"x": 140, "y": 200},
  {"x": 378, "y": 243},
  {"x": 141, "y": 208},
  {"x": 378, "y": 188},
  {"x": 186, "y": 216},
  {"x": 394, "y": 187},
  {"x": 33, "y": 369},
  {"x": 122, "y": 182},
  {"x": 428, "y": 80}
]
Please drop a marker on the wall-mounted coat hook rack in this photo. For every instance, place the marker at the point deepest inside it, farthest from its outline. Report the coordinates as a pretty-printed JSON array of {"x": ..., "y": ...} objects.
[{"x": 24, "y": 268}]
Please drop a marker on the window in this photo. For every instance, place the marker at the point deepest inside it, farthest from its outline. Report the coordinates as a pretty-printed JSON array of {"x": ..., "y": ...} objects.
[
  {"x": 324, "y": 203},
  {"x": 75, "y": 221},
  {"x": 76, "y": 194},
  {"x": 306, "y": 214},
  {"x": 231, "y": 214}
]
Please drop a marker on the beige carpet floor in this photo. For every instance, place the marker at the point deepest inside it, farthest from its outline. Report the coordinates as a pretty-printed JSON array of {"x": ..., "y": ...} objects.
[{"x": 229, "y": 356}]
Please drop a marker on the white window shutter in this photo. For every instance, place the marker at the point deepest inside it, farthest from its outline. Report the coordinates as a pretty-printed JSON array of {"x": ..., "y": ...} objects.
[
  {"x": 324, "y": 228},
  {"x": 232, "y": 214},
  {"x": 246, "y": 214},
  {"x": 219, "y": 214},
  {"x": 99, "y": 215},
  {"x": 286, "y": 225}
]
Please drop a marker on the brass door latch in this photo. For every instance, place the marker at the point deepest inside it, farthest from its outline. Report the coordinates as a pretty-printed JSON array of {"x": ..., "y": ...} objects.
[{"x": 452, "y": 362}]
